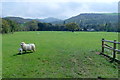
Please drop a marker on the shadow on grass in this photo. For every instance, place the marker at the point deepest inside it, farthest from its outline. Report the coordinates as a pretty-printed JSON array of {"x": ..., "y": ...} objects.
[
  {"x": 111, "y": 60},
  {"x": 22, "y": 53}
]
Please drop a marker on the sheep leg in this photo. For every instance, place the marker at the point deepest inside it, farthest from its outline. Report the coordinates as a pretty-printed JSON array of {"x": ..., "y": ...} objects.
[
  {"x": 21, "y": 52},
  {"x": 34, "y": 50}
]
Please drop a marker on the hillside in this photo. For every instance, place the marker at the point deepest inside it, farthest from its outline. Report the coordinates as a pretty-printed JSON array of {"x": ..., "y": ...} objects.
[
  {"x": 22, "y": 20},
  {"x": 86, "y": 22},
  {"x": 87, "y": 18},
  {"x": 18, "y": 19},
  {"x": 92, "y": 18}
]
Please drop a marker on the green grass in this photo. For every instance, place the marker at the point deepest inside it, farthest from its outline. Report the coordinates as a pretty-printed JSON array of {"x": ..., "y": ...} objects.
[
  {"x": 0, "y": 56},
  {"x": 58, "y": 55}
]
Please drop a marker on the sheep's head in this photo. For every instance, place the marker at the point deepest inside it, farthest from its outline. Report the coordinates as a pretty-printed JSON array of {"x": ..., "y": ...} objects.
[
  {"x": 22, "y": 43},
  {"x": 20, "y": 50}
]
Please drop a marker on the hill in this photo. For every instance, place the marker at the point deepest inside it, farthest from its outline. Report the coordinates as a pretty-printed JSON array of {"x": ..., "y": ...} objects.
[
  {"x": 86, "y": 22},
  {"x": 22, "y": 20},
  {"x": 18, "y": 19},
  {"x": 92, "y": 18}
]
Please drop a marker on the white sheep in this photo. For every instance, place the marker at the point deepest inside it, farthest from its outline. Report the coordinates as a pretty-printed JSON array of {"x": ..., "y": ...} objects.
[
  {"x": 20, "y": 50},
  {"x": 27, "y": 47}
]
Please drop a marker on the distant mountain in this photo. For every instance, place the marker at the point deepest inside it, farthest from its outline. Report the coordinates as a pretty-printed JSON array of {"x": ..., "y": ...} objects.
[
  {"x": 94, "y": 18},
  {"x": 22, "y": 20},
  {"x": 91, "y": 18},
  {"x": 48, "y": 20},
  {"x": 58, "y": 22},
  {"x": 87, "y": 18},
  {"x": 18, "y": 19},
  {"x": 87, "y": 22}
]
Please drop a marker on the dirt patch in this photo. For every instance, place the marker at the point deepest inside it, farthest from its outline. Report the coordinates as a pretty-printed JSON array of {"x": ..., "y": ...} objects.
[{"x": 98, "y": 53}]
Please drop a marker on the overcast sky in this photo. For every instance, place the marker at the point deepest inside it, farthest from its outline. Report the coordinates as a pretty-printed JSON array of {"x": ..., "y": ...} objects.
[{"x": 61, "y": 9}]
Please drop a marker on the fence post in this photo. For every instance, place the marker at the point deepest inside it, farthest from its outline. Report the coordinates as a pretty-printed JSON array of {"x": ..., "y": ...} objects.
[
  {"x": 114, "y": 47},
  {"x": 103, "y": 45}
]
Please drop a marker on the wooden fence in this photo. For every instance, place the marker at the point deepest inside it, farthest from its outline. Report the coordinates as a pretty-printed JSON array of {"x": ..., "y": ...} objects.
[{"x": 113, "y": 48}]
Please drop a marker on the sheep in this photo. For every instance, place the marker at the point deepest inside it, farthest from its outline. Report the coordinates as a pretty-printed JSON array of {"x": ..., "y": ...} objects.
[
  {"x": 20, "y": 50},
  {"x": 27, "y": 47}
]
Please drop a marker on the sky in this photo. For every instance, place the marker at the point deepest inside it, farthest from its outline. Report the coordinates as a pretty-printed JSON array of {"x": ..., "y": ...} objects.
[{"x": 61, "y": 9}]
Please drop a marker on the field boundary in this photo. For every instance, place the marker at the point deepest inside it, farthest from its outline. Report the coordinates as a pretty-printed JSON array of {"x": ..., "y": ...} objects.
[{"x": 114, "y": 49}]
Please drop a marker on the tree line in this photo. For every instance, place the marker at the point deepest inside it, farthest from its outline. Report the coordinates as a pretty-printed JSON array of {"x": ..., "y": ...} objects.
[{"x": 9, "y": 26}]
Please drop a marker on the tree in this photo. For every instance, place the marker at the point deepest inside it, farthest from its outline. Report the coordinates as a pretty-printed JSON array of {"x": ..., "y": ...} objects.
[
  {"x": 13, "y": 25},
  {"x": 32, "y": 25},
  {"x": 8, "y": 26},
  {"x": 0, "y": 25},
  {"x": 5, "y": 26},
  {"x": 72, "y": 26},
  {"x": 85, "y": 29}
]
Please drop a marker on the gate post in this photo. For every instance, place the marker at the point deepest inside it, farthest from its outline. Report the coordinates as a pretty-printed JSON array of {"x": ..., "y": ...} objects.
[
  {"x": 114, "y": 47},
  {"x": 103, "y": 45}
]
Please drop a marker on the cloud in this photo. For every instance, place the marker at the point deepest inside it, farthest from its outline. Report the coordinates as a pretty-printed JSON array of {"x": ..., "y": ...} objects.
[
  {"x": 60, "y": 1},
  {"x": 61, "y": 10}
]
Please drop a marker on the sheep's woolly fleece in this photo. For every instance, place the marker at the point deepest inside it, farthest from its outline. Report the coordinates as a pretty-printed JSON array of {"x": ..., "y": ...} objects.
[{"x": 27, "y": 47}]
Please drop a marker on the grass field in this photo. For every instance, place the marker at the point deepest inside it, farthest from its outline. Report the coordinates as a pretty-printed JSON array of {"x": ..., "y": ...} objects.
[
  {"x": 0, "y": 56},
  {"x": 58, "y": 55}
]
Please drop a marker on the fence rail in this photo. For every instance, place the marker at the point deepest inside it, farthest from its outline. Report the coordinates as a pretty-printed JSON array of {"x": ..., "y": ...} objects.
[
  {"x": 113, "y": 48},
  {"x": 110, "y": 41}
]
